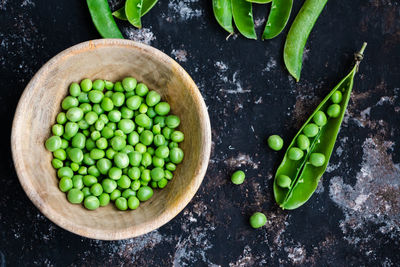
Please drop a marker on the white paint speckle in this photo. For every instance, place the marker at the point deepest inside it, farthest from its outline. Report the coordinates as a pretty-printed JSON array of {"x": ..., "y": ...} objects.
[
  {"x": 143, "y": 35},
  {"x": 179, "y": 54},
  {"x": 184, "y": 9}
]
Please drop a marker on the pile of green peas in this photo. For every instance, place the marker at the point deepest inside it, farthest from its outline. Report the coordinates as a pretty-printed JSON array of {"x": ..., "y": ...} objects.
[
  {"x": 114, "y": 142},
  {"x": 311, "y": 130}
]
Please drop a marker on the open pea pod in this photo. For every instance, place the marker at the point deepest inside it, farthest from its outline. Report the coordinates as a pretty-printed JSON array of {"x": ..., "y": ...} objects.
[
  {"x": 278, "y": 18},
  {"x": 298, "y": 175}
]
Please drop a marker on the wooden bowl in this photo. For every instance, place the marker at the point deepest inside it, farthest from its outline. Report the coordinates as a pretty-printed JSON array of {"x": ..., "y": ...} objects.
[{"x": 110, "y": 59}]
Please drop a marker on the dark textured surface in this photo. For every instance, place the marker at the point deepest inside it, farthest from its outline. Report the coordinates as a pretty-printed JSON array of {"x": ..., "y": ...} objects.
[{"x": 352, "y": 219}]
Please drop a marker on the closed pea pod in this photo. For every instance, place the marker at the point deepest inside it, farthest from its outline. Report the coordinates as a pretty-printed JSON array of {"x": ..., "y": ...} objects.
[
  {"x": 305, "y": 174},
  {"x": 298, "y": 35},
  {"x": 133, "y": 12},
  {"x": 243, "y": 16},
  {"x": 146, "y": 6},
  {"x": 223, "y": 14},
  {"x": 102, "y": 19},
  {"x": 278, "y": 18}
]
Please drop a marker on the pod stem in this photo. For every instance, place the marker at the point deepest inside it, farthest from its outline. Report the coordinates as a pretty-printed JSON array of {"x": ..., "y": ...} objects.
[{"x": 360, "y": 55}]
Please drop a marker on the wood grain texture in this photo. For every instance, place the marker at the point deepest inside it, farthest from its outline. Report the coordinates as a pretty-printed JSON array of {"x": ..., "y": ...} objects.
[{"x": 110, "y": 59}]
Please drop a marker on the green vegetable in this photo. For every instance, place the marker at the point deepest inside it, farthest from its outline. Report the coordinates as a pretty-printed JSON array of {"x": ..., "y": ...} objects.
[
  {"x": 103, "y": 19},
  {"x": 146, "y": 6},
  {"x": 258, "y": 220},
  {"x": 91, "y": 202},
  {"x": 238, "y": 177},
  {"x": 275, "y": 142},
  {"x": 298, "y": 35},
  {"x": 133, "y": 12},
  {"x": 306, "y": 173},
  {"x": 243, "y": 17},
  {"x": 259, "y": 1},
  {"x": 223, "y": 13},
  {"x": 278, "y": 18}
]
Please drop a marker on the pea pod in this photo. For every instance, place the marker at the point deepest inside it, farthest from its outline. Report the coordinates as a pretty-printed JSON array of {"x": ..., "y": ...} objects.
[
  {"x": 259, "y": 1},
  {"x": 243, "y": 17},
  {"x": 147, "y": 5},
  {"x": 305, "y": 173},
  {"x": 133, "y": 11},
  {"x": 103, "y": 19},
  {"x": 298, "y": 34},
  {"x": 223, "y": 13},
  {"x": 278, "y": 17}
]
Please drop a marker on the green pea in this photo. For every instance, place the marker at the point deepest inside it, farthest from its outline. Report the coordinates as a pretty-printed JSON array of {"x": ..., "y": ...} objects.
[
  {"x": 134, "y": 173},
  {"x": 53, "y": 143},
  {"x": 83, "y": 98},
  {"x": 75, "y": 196},
  {"x": 65, "y": 184},
  {"x": 311, "y": 130},
  {"x": 134, "y": 102},
  {"x": 118, "y": 99},
  {"x": 158, "y": 162},
  {"x": 69, "y": 102},
  {"x": 160, "y": 120},
  {"x": 115, "y": 194},
  {"x": 141, "y": 89},
  {"x": 129, "y": 84},
  {"x": 92, "y": 170},
  {"x": 151, "y": 112},
  {"x": 91, "y": 203},
  {"x": 76, "y": 155},
  {"x": 99, "y": 85},
  {"x": 133, "y": 202},
  {"x": 115, "y": 173},
  {"x": 167, "y": 132},
  {"x": 162, "y": 183},
  {"x": 89, "y": 180},
  {"x": 109, "y": 185},
  {"x": 129, "y": 94},
  {"x": 118, "y": 87},
  {"x": 112, "y": 126},
  {"x": 121, "y": 203},
  {"x": 156, "y": 129},
  {"x": 86, "y": 107},
  {"x": 146, "y": 137},
  {"x": 120, "y": 134},
  {"x": 114, "y": 115},
  {"x": 86, "y": 85},
  {"x": 107, "y": 104},
  {"x": 172, "y": 121},
  {"x": 82, "y": 170},
  {"x": 104, "y": 199},
  {"x": 121, "y": 160},
  {"x": 143, "y": 183},
  {"x": 95, "y": 96},
  {"x": 97, "y": 108},
  {"x": 118, "y": 143},
  {"x": 336, "y": 97},
  {"x": 159, "y": 140},
  {"x": 107, "y": 132},
  {"x": 124, "y": 182},
  {"x": 333, "y": 111},
  {"x": 128, "y": 193},
  {"x": 99, "y": 125},
  {"x": 170, "y": 166},
  {"x": 77, "y": 181},
  {"x": 176, "y": 155},
  {"x": 238, "y": 177},
  {"x": 88, "y": 160},
  {"x": 151, "y": 150},
  {"x": 143, "y": 108},
  {"x": 74, "y": 166},
  {"x": 162, "y": 108},
  {"x": 177, "y": 136},
  {"x": 85, "y": 132},
  {"x": 320, "y": 118},
  {"x": 303, "y": 142},
  {"x": 61, "y": 118},
  {"x": 284, "y": 181},
  {"x": 86, "y": 191},
  {"x": 102, "y": 143},
  {"x": 258, "y": 220},
  {"x": 128, "y": 149},
  {"x": 65, "y": 172},
  {"x": 146, "y": 159},
  {"x": 83, "y": 125},
  {"x": 144, "y": 193},
  {"x": 145, "y": 175},
  {"x": 96, "y": 189},
  {"x": 91, "y": 117},
  {"x": 56, "y": 163},
  {"x": 79, "y": 141},
  {"x": 109, "y": 85},
  {"x": 126, "y": 113},
  {"x": 275, "y": 142},
  {"x": 140, "y": 129},
  {"x": 317, "y": 159},
  {"x": 135, "y": 185},
  {"x": 97, "y": 154},
  {"x": 157, "y": 174},
  {"x": 171, "y": 145},
  {"x": 295, "y": 153},
  {"x": 57, "y": 129},
  {"x": 163, "y": 152},
  {"x": 90, "y": 144},
  {"x": 95, "y": 135},
  {"x": 110, "y": 153},
  {"x": 126, "y": 125},
  {"x": 154, "y": 184},
  {"x": 74, "y": 89},
  {"x": 168, "y": 175},
  {"x": 143, "y": 120},
  {"x": 152, "y": 98}
]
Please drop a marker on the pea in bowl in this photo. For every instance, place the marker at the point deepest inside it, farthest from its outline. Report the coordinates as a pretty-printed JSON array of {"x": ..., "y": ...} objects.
[{"x": 110, "y": 59}]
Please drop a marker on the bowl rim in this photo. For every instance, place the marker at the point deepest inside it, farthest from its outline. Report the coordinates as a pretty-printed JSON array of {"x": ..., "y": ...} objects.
[{"x": 132, "y": 231}]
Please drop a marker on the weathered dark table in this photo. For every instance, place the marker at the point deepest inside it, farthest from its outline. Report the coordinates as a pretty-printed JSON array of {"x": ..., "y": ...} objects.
[{"x": 354, "y": 217}]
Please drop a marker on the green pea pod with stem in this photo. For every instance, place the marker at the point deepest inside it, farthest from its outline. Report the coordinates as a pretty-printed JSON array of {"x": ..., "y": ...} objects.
[
  {"x": 243, "y": 17},
  {"x": 298, "y": 35},
  {"x": 147, "y": 5},
  {"x": 223, "y": 14},
  {"x": 103, "y": 20},
  {"x": 133, "y": 11},
  {"x": 278, "y": 18},
  {"x": 305, "y": 174},
  {"x": 259, "y": 1}
]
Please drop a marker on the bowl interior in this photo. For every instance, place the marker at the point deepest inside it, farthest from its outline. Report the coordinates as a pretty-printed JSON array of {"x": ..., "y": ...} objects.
[{"x": 111, "y": 60}]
